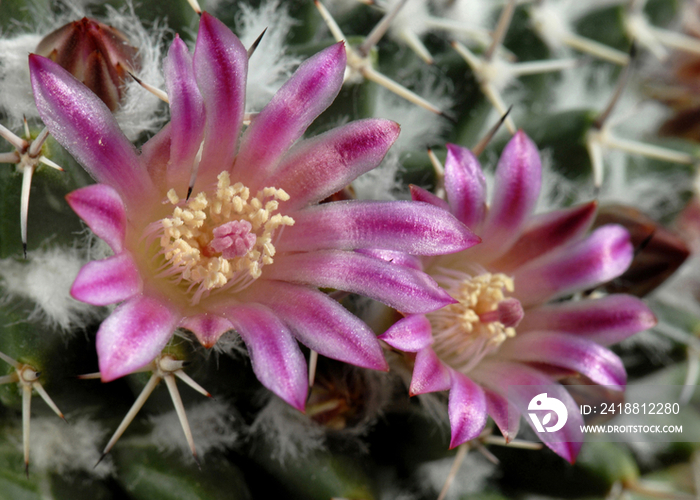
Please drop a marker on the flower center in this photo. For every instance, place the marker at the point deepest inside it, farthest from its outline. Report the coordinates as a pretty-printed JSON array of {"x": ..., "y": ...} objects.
[
  {"x": 482, "y": 320},
  {"x": 223, "y": 240}
]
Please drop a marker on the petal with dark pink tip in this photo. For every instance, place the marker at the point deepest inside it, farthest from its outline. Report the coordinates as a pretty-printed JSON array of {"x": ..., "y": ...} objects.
[
  {"x": 520, "y": 384},
  {"x": 411, "y": 227},
  {"x": 402, "y": 288},
  {"x": 594, "y": 361},
  {"x": 410, "y": 334},
  {"x": 320, "y": 323},
  {"x": 221, "y": 69},
  {"x": 607, "y": 320},
  {"x": 465, "y": 186},
  {"x": 546, "y": 233},
  {"x": 429, "y": 374},
  {"x": 208, "y": 328},
  {"x": 186, "y": 107},
  {"x": 466, "y": 408},
  {"x": 274, "y": 353},
  {"x": 516, "y": 189},
  {"x": 603, "y": 256},
  {"x": 83, "y": 124},
  {"x": 108, "y": 281},
  {"x": 420, "y": 194},
  {"x": 102, "y": 209},
  {"x": 505, "y": 415},
  {"x": 310, "y": 90},
  {"x": 333, "y": 160},
  {"x": 155, "y": 155},
  {"x": 133, "y": 335}
]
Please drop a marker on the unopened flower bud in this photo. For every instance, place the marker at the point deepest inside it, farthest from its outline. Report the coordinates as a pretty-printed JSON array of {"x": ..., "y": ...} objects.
[
  {"x": 98, "y": 55},
  {"x": 343, "y": 398},
  {"x": 658, "y": 251}
]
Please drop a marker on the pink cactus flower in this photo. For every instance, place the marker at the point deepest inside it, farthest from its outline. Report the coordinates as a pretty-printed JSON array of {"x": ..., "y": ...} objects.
[
  {"x": 510, "y": 326},
  {"x": 248, "y": 250}
]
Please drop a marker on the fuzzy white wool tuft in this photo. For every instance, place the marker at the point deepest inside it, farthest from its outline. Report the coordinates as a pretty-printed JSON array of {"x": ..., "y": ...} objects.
[
  {"x": 472, "y": 476},
  {"x": 290, "y": 432},
  {"x": 64, "y": 449},
  {"x": 271, "y": 64},
  {"x": 215, "y": 428},
  {"x": 45, "y": 279},
  {"x": 141, "y": 111}
]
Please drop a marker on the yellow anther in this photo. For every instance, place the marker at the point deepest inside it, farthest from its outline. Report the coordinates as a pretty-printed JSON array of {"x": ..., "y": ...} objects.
[
  {"x": 172, "y": 197},
  {"x": 462, "y": 337},
  {"x": 188, "y": 234}
]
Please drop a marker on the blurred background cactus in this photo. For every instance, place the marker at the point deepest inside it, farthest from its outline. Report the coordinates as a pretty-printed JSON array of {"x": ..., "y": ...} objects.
[{"x": 607, "y": 89}]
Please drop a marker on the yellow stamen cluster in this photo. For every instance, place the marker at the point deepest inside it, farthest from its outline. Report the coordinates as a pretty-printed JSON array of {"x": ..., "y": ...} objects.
[
  {"x": 187, "y": 234},
  {"x": 461, "y": 335}
]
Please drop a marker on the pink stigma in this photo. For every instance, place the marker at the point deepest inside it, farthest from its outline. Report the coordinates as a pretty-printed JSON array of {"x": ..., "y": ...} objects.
[{"x": 232, "y": 239}]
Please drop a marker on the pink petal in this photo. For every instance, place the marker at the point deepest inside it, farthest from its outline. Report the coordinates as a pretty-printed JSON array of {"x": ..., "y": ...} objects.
[
  {"x": 333, "y": 160},
  {"x": 310, "y": 90},
  {"x": 420, "y": 194},
  {"x": 320, "y": 323},
  {"x": 102, "y": 209},
  {"x": 83, "y": 124},
  {"x": 208, "y": 328},
  {"x": 108, "y": 281},
  {"x": 603, "y": 256},
  {"x": 133, "y": 335},
  {"x": 155, "y": 155},
  {"x": 221, "y": 68},
  {"x": 465, "y": 186},
  {"x": 395, "y": 257},
  {"x": 402, "y": 288},
  {"x": 520, "y": 384},
  {"x": 505, "y": 415},
  {"x": 466, "y": 408},
  {"x": 410, "y": 334},
  {"x": 186, "y": 108},
  {"x": 546, "y": 233},
  {"x": 274, "y": 353},
  {"x": 411, "y": 227},
  {"x": 429, "y": 374},
  {"x": 607, "y": 320},
  {"x": 567, "y": 351},
  {"x": 516, "y": 188}
]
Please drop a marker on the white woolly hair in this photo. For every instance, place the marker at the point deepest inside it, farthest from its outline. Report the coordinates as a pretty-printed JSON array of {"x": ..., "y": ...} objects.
[
  {"x": 623, "y": 182},
  {"x": 472, "y": 477},
  {"x": 140, "y": 111},
  {"x": 654, "y": 193},
  {"x": 473, "y": 14},
  {"x": 271, "y": 64},
  {"x": 412, "y": 17},
  {"x": 231, "y": 344},
  {"x": 45, "y": 278},
  {"x": 16, "y": 98},
  {"x": 291, "y": 434},
  {"x": 381, "y": 183},
  {"x": 215, "y": 428},
  {"x": 65, "y": 449},
  {"x": 419, "y": 129}
]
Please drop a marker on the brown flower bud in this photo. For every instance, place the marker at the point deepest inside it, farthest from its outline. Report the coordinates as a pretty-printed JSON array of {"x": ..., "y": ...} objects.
[
  {"x": 96, "y": 54},
  {"x": 658, "y": 251},
  {"x": 342, "y": 397}
]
